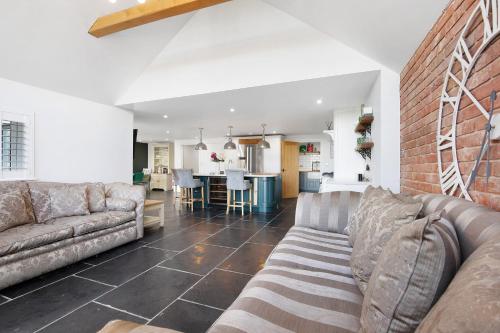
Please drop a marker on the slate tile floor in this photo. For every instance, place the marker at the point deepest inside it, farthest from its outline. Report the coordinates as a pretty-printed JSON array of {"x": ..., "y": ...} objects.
[{"x": 181, "y": 276}]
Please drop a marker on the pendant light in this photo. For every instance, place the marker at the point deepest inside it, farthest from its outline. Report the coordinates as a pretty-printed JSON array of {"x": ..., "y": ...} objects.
[
  {"x": 263, "y": 144},
  {"x": 201, "y": 145},
  {"x": 230, "y": 145}
]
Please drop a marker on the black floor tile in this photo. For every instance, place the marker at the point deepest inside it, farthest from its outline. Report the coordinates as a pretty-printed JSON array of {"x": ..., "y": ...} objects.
[
  {"x": 269, "y": 235},
  {"x": 121, "y": 269},
  {"x": 187, "y": 317},
  {"x": 117, "y": 251},
  {"x": 180, "y": 241},
  {"x": 206, "y": 227},
  {"x": 89, "y": 318},
  {"x": 285, "y": 220},
  {"x": 250, "y": 225},
  {"x": 224, "y": 220},
  {"x": 249, "y": 259},
  {"x": 43, "y": 280},
  {"x": 230, "y": 237},
  {"x": 260, "y": 218},
  {"x": 199, "y": 259},
  {"x": 207, "y": 213},
  {"x": 218, "y": 289},
  {"x": 39, "y": 308},
  {"x": 150, "y": 292}
]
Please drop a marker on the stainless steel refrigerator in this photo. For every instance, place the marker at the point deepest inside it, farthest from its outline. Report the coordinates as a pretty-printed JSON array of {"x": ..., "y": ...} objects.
[{"x": 251, "y": 158}]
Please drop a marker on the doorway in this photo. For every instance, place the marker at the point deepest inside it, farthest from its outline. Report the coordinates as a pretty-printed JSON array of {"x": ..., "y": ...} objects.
[{"x": 290, "y": 169}]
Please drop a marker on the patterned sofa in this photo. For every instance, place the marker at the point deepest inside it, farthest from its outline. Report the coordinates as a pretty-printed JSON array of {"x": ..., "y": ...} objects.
[
  {"x": 112, "y": 215},
  {"x": 307, "y": 284}
]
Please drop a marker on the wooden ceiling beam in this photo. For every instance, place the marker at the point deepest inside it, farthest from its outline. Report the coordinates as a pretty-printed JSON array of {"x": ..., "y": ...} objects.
[{"x": 150, "y": 11}]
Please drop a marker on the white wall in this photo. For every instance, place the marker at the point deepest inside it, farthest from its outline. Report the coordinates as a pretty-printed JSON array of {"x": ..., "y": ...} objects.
[
  {"x": 75, "y": 140},
  {"x": 327, "y": 164},
  {"x": 347, "y": 162},
  {"x": 384, "y": 98}
]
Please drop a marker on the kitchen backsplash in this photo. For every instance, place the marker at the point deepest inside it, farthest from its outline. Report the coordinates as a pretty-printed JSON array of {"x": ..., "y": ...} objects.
[{"x": 306, "y": 162}]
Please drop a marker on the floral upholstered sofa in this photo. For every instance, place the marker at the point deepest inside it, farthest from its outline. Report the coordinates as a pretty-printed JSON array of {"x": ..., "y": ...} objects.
[
  {"x": 432, "y": 263},
  {"x": 45, "y": 226}
]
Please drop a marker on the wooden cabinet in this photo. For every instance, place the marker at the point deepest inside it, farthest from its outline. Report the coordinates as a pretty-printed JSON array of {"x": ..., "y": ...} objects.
[{"x": 161, "y": 181}]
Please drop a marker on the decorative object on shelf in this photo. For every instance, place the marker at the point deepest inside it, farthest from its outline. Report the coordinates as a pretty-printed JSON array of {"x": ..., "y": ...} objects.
[
  {"x": 217, "y": 159},
  {"x": 201, "y": 145},
  {"x": 364, "y": 128},
  {"x": 230, "y": 145},
  {"x": 454, "y": 179},
  {"x": 263, "y": 144},
  {"x": 303, "y": 149},
  {"x": 329, "y": 125}
]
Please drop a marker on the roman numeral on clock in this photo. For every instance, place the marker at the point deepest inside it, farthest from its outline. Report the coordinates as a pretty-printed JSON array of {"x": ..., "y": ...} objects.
[
  {"x": 450, "y": 180},
  {"x": 445, "y": 141}
]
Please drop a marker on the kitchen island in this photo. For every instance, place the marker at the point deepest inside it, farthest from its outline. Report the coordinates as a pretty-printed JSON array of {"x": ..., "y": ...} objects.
[{"x": 266, "y": 190}]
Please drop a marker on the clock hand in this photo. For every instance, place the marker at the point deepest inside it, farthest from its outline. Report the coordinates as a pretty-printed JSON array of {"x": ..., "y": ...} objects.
[{"x": 485, "y": 145}]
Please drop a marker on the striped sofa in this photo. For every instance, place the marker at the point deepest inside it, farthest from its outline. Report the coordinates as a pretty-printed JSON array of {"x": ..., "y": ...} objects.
[{"x": 307, "y": 286}]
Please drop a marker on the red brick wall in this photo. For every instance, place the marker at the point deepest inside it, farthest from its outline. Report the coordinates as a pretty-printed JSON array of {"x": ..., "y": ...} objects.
[{"x": 421, "y": 85}]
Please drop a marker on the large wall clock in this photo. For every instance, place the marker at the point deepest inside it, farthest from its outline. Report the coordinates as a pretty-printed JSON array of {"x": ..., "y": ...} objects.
[{"x": 455, "y": 178}]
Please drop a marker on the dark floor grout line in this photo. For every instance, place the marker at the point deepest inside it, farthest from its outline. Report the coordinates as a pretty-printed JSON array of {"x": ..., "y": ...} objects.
[
  {"x": 178, "y": 270},
  {"x": 120, "y": 310},
  {"x": 92, "y": 280},
  {"x": 204, "y": 305},
  {"x": 230, "y": 271}
]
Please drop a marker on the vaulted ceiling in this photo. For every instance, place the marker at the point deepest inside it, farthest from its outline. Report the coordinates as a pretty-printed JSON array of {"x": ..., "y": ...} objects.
[{"x": 46, "y": 44}]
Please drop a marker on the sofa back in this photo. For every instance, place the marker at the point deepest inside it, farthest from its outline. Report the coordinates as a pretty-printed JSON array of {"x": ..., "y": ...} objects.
[{"x": 475, "y": 224}]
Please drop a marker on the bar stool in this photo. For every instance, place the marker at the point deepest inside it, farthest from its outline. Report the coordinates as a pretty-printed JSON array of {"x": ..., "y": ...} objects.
[
  {"x": 184, "y": 179},
  {"x": 236, "y": 182}
]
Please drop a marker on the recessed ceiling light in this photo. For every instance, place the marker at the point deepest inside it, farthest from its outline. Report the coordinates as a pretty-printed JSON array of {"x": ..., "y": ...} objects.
[
  {"x": 232, "y": 110},
  {"x": 166, "y": 139},
  {"x": 251, "y": 133},
  {"x": 165, "y": 116},
  {"x": 319, "y": 101},
  {"x": 167, "y": 131},
  {"x": 141, "y": 1},
  {"x": 274, "y": 132},
  {"x": 112, "y": 1}
]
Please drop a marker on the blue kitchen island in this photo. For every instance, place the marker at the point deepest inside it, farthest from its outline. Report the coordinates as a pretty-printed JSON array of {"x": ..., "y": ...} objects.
[{"x": 266, "y": 190}]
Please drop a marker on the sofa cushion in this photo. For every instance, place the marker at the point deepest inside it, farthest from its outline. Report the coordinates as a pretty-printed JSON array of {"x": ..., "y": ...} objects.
[
  {"x": 41, "y": 200},
  {"x": 368, "y": 200},
  {"x": 10, "y": 186},
  {"x": 119, "y": 204},
  {"x": 86, "y": 224},
  {"x": 96, "y": 195},
  {"x": 412, "y": 272},
  {"x": 69, "y": 201},
  {"x": 308, "y": 249},
  {"x": 13, "y": 210},
  {"x": 306, "y": 286},
  {"x": 384, "y": 218},
  {"x": 326, "y": 211},
  {"x": 471, "y": 303},
  {"x": 29, "y": 236}
]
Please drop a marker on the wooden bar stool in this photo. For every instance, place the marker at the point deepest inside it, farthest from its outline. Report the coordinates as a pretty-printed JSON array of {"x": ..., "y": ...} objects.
[
  {"x": 236, "y": 182},
  {"x": 184, "y": 179}
]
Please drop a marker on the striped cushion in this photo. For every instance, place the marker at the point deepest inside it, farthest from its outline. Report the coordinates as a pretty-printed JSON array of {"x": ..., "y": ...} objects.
[
  {"x": 412, "y": 272},
  {"x": 306, "y": 286},
  {"x": 326, "y": 211},
  {"x": 474, "y": 224}
]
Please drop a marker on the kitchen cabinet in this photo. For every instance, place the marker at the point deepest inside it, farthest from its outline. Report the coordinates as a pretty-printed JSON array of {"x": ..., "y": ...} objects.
[
  {"x": 161, "y": 181},
  {"x": 309, "y": 181}
]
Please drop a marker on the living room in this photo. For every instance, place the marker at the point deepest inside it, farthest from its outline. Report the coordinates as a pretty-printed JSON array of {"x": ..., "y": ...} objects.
[{"x": 250, "y": 166}]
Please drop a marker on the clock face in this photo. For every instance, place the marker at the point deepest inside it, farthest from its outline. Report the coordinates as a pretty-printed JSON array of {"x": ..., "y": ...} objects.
[{"x": 472, "y": 74}]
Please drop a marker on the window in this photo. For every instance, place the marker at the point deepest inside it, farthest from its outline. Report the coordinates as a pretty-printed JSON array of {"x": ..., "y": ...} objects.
[{"x": 16, "y": 146}]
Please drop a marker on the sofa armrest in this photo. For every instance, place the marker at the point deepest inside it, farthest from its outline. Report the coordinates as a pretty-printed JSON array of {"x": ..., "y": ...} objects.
[
  {"x": 326, "y": 211},
  {"x": 122, "y": 326},
  {"x": 132, "y": 192}
]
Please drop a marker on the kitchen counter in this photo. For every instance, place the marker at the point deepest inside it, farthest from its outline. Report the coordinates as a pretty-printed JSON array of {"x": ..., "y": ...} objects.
[
  {"x": 332, "y": 185},
  {"x": 266, "y": 190}
]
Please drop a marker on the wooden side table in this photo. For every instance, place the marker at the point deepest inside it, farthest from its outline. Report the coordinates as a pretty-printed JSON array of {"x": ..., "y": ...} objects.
[{"x": 152, "y": 220}]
